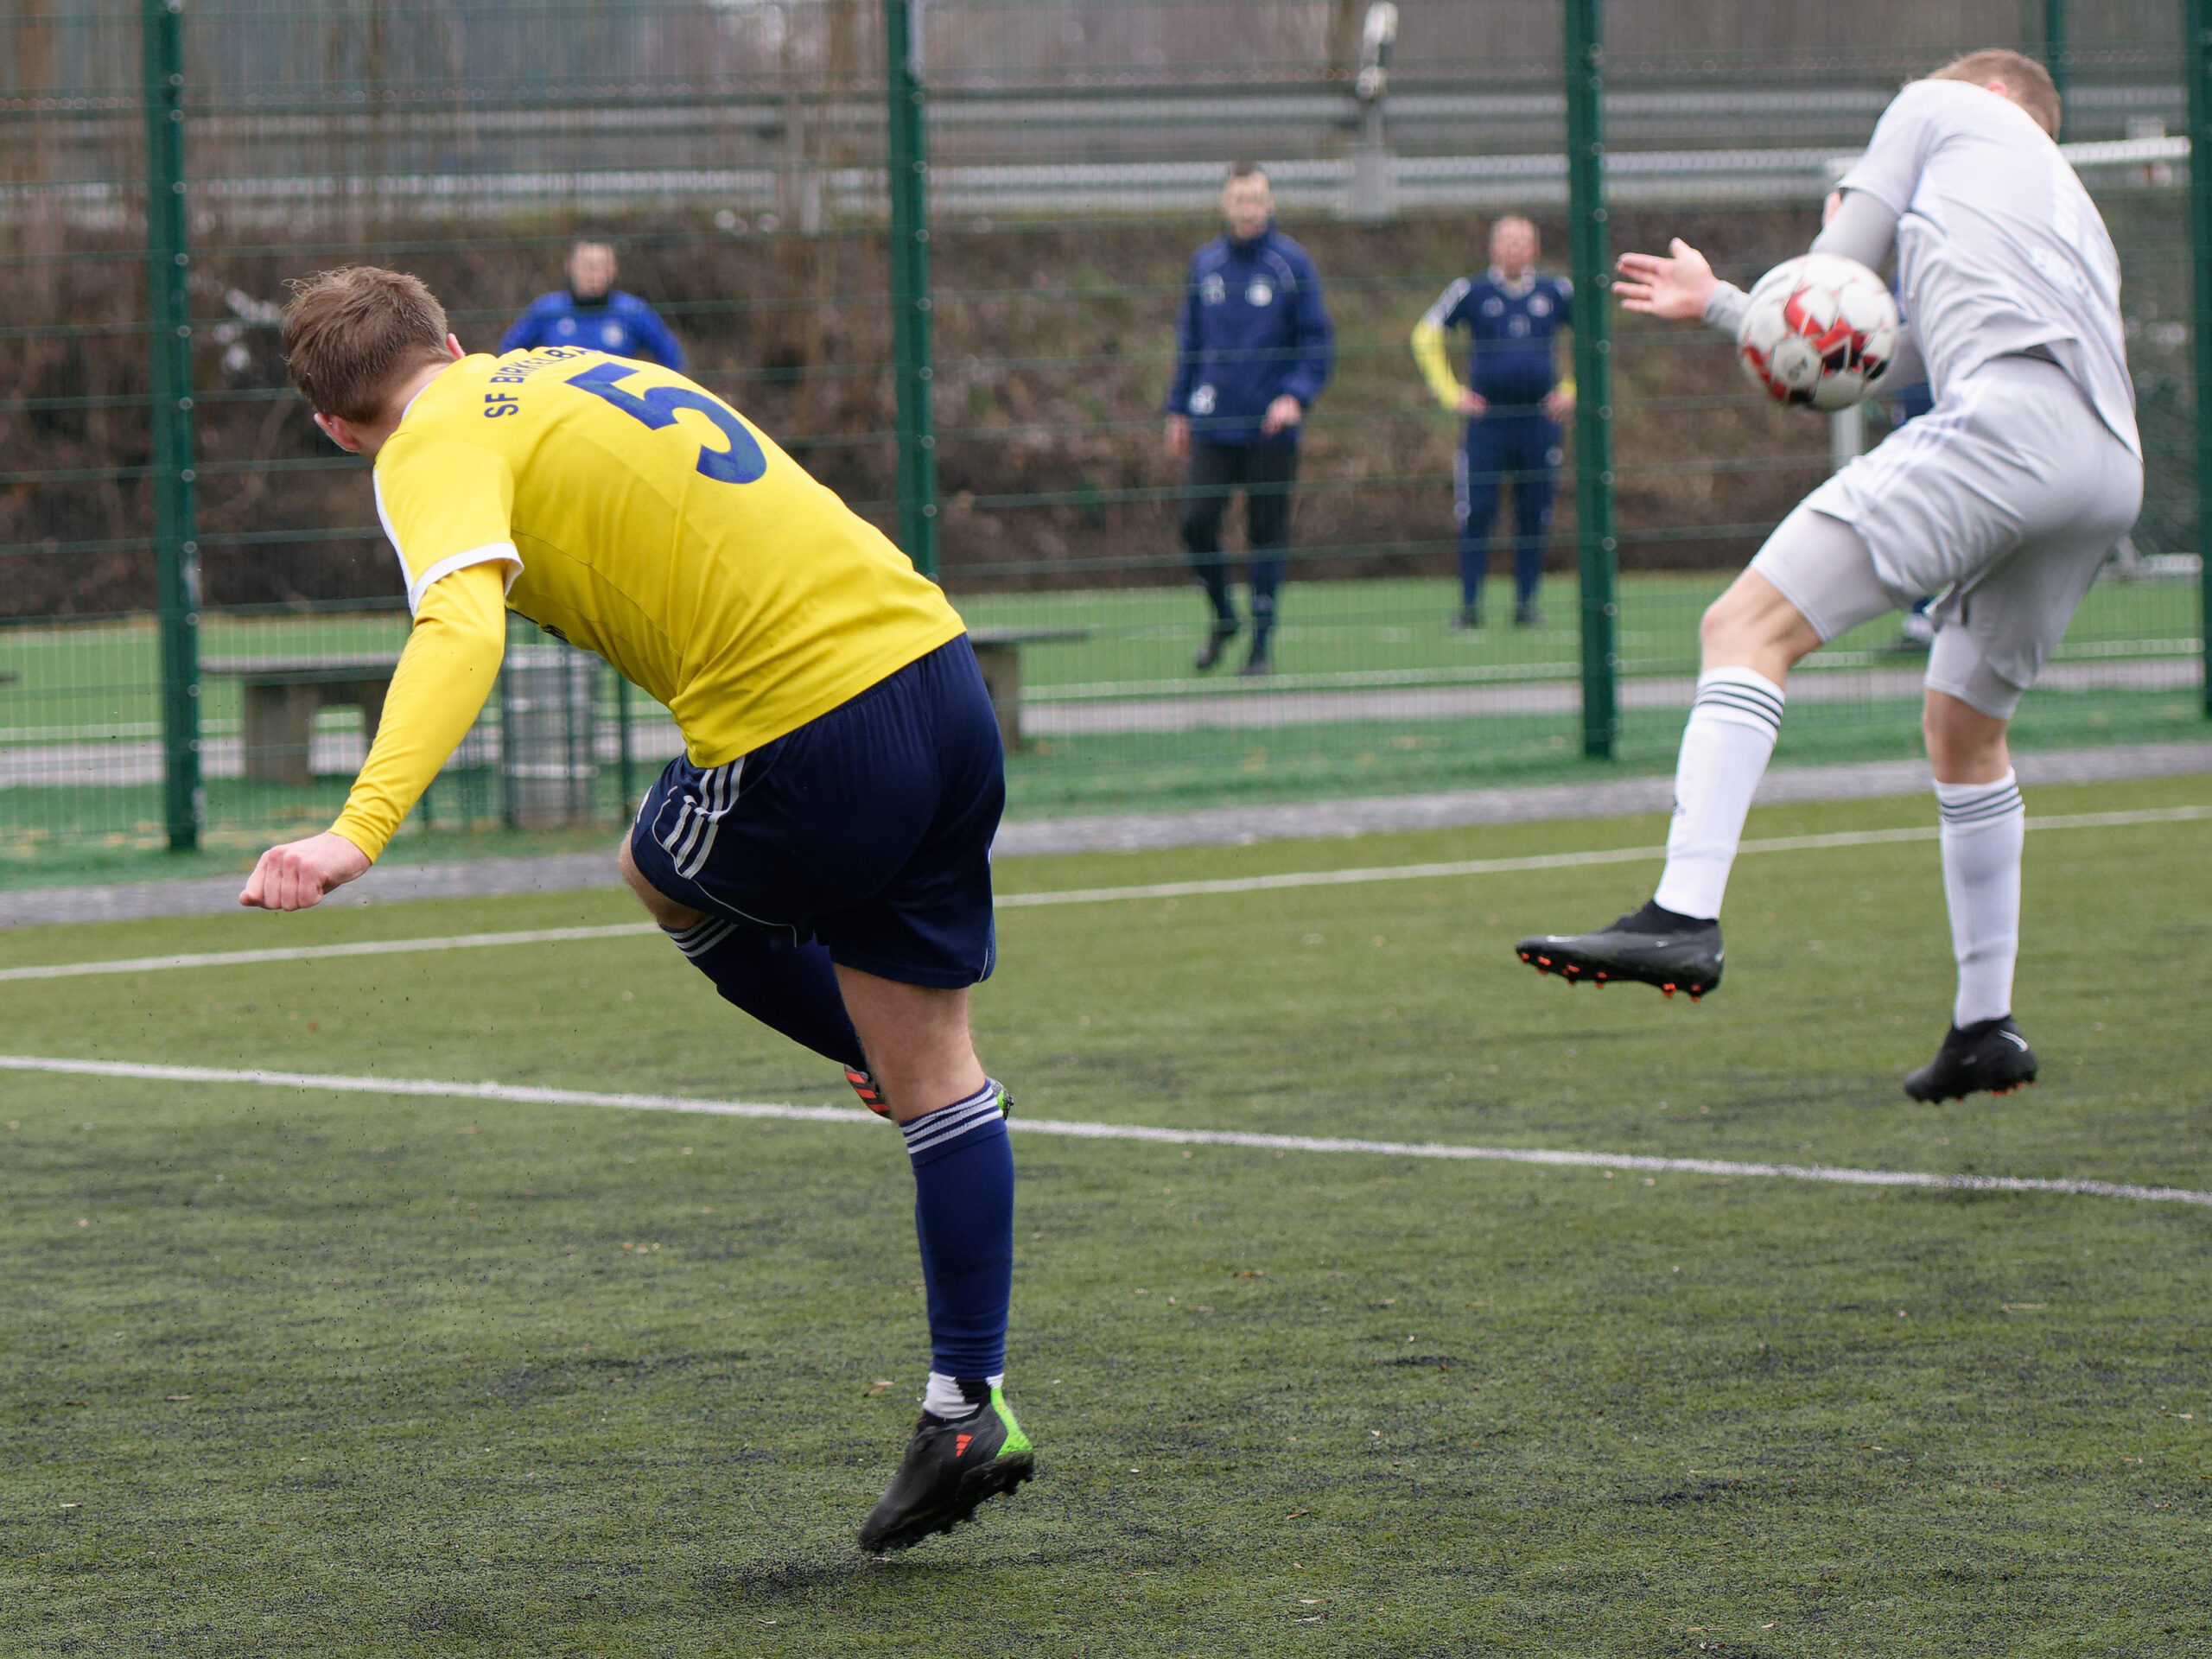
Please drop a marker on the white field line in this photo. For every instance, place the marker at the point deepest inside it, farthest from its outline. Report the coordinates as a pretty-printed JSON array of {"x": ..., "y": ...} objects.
[
  {"x": 312, "y": 952},
  {"x": 1107, "y": 895},
  {"x": 528, "y": 1095}
]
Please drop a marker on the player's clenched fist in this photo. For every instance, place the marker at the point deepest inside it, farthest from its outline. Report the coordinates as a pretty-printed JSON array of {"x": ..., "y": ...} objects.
[{"x": 298, "y": 873}]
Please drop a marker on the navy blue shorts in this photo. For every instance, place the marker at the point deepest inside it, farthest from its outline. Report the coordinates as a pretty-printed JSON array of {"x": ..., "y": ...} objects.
[{"x": 868, "y": 829}]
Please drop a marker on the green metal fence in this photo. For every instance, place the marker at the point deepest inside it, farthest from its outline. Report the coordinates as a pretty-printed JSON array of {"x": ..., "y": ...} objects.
[{"x": 937, "y": 253}]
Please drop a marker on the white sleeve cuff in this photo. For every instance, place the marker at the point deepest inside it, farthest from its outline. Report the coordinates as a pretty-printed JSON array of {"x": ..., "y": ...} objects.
[
  {"x": 1724, "y": 308},
  {"x": 503, "y": 552}
]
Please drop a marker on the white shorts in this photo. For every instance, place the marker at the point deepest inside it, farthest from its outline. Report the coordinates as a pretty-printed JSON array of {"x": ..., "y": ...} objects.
[{"x": 2005, "y": 499}]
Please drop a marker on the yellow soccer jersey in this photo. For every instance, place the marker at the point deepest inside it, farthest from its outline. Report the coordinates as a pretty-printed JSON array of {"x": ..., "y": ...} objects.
[{"x": 642, "y": 518}]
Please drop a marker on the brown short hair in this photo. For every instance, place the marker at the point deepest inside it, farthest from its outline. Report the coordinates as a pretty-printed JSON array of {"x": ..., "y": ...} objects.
[
  {"x": 1246, "y": 170},
  {"x": 2028, "y": 81},
  {"x": 351, "y": 334}
]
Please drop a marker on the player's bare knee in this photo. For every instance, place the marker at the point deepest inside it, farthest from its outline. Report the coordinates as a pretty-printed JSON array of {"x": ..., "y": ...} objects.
[
  {"x": 1964, "y": 745},
  {"x": 1734, "y": 629},
  {"x": 1753, "y": 625},
  {"x": 663, "y": 909}
]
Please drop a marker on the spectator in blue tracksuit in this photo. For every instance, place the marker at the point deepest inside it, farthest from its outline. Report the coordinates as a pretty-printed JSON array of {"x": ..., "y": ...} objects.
[
  {"x": 1253, "y": 349},
  {"x": 1514, "y": 402},
  {"x": 591, "y": 311}
]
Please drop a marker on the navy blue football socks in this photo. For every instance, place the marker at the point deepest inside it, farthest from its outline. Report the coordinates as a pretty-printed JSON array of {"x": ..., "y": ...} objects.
[
  {"x": 1214, "y": 578},
  {"x": 1263, "y": 604},
  {"x": 963, "y": 1214},
  {"x": 788, "y": 987}
]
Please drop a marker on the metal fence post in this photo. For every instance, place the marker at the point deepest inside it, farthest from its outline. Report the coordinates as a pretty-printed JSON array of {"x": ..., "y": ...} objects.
[
  {"x": 625, "y": 761},
  {"x": 1596, "y": 548},
  {"x": 910, "y": 282},
  {"x": 2197, "y": 52},
  {"x": 176, "y": 550},
  {"x": 2054, "y": 52}
]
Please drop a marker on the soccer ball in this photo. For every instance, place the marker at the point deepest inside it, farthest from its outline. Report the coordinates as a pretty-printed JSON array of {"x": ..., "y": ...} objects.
[{"x": 1819, "y": 332}]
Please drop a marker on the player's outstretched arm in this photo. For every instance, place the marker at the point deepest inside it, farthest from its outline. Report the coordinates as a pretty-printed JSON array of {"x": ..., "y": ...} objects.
[
  {"x": 1675, "y": 285},
  {"x": 444, "y": 674},
  {"x": 1859, "y": 226},
  {"x": 298, "y": 873}
]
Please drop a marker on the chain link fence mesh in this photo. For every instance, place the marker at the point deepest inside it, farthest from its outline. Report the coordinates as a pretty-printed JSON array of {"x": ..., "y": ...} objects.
[{"x": 732, "y": 152}]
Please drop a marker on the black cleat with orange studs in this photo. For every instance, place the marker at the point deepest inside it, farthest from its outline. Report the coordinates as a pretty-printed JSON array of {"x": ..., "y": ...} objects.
[
  {"x": 1649, "y": 946},
  {"x": 1989, "y": 1054}
]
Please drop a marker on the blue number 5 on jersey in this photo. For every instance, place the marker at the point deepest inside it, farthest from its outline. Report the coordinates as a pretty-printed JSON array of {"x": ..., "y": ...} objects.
[{"x": 741, "y": 463}]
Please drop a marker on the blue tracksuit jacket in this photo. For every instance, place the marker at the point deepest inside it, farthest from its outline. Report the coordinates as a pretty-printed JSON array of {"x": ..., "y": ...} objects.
[
  {"x": 1251, "y": 328},
  {"x": 1511, "y": 329},
  {"x": 621, "y": 323}
]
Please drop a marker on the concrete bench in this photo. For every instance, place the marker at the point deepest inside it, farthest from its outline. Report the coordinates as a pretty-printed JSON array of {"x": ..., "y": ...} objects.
[
  {"x": 282, "y": 694},
  {"x": 998, "y": 653}
]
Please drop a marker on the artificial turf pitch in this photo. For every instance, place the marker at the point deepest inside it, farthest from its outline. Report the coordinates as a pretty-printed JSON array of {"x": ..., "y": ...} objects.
[{"x": 289, "y": 1373}]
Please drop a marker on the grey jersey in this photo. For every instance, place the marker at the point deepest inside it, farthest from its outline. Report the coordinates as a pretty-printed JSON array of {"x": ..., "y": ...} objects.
[{"x": 1999, "y": 249}]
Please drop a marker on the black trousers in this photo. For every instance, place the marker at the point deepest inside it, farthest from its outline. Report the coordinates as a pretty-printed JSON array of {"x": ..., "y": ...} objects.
[{"x": 1266, "y": 472}]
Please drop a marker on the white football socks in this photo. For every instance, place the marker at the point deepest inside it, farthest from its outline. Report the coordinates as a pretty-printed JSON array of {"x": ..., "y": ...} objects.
[
  {"x": 1984, "y": 825},
  {"x": 1730, "y": 734},
  {"x": 942, "y": 1397}
]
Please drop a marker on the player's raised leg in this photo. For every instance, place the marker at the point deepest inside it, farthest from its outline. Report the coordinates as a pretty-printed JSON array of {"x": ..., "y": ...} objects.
[
  {"x": 1750, "y": 639},
  {"x": 788, "y": 985}
]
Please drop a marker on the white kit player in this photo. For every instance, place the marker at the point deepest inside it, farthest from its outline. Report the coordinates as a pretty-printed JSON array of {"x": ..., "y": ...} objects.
[{"x": 2005, "y": 499}]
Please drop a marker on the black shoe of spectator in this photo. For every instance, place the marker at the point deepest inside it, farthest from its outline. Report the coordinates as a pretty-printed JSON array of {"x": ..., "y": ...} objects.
[{"x": 1224, "y": 630}]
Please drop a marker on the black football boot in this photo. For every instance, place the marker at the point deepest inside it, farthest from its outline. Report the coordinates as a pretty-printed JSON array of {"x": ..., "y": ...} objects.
[
  {"x": 1989, "y": 1054},
  {"x": 1651, "y": 946},
  {"x": 953, "y": 1467}
]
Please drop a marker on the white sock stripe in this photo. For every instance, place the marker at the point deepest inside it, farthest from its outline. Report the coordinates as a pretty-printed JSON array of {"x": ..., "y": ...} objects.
[
  {"x": 1985, "y": 811},
  {"x": 930, "y": 1123},
  {"x": 1737, "y": 700},
  {"x": 951, "y": 1122},
  {"x": 917, "y": 1145},
  {"x": 1741, "y": 679},
  {"x": 1761, "y": 696}
]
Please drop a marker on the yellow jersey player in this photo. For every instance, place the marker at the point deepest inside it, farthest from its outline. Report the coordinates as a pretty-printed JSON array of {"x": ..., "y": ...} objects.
[{"x": 821, "y": 849}]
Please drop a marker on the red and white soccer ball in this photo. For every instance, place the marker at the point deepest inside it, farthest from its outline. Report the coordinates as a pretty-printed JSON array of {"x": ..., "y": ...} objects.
[{"x": 1819, "y": 332}]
